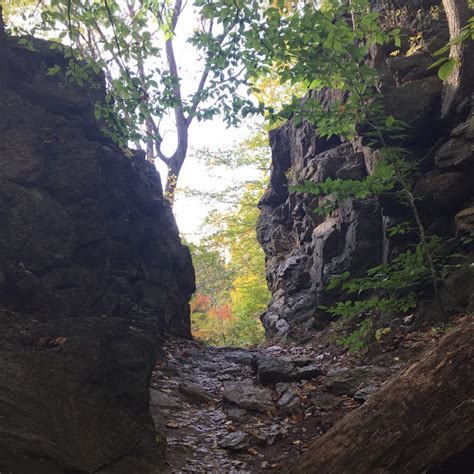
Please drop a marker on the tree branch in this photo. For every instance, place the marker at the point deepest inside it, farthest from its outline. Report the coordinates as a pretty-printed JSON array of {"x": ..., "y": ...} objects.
[
  {"x": 4, "y": 61},
  {"x": 180, "y": 119}
]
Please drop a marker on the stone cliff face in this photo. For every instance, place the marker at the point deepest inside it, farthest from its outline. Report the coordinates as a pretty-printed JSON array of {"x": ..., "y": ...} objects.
[
  {"x": 303, "y": 249},
  {"x": 92, "y": 277}
]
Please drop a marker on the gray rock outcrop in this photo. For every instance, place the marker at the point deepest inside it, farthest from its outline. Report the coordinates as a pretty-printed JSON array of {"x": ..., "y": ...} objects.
[{"x": 304, "y": 250}]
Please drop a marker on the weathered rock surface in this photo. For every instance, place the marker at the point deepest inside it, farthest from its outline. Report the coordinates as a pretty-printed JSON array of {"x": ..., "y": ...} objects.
[
  {"x": 195, "y": 392},
  {"x": 290, "y": 403},
  {"x": 247, "y": 395},
  {"x": 237, "y": 441},
  {"x": 420, "y": 421},
  {"x": 92, "y": 277},
  {"x": 284, "y": 369},
  {"x": 304, "y": 250},
  {"x": 349, "y": 381},
  {"x": 223, "y": 437},
  {"x": 325, "y": 402}
]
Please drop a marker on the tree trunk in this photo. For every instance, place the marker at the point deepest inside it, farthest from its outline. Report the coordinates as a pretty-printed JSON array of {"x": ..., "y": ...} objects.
[
  {"x": 175, "y": 163},
  {"x": 461, "y": 80},
  {"x": 3, "y": 53},
  {"x": 420, "y": 421},
  {"x": 174, "y": 168}
]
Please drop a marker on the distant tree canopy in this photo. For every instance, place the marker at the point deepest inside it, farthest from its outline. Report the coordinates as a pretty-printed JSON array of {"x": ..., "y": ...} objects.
[{"x": 231, "y": 290}]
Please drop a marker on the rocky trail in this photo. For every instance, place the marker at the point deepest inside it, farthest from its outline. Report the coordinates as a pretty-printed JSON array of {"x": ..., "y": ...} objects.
[{"x": 235, "y": 410}]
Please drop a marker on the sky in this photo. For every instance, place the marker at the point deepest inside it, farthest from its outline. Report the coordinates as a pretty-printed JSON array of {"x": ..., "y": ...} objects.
[{"x": 190, "y": 212}]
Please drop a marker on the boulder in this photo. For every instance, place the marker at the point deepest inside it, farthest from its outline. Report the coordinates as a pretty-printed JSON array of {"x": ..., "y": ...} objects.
[
  {"x": 290, "y": 403},
  {"x": 325, "y": 401},
  {"x": 195, "y": 392},
  {"x": 246, "y": 394},
  {"x": 455, "y": 152},
  {"x": 397, "y": 430},
  {"x": 236, "y": 441},
  {"x": 281, "y": 369},
  {"x": 349, "y": 381}
]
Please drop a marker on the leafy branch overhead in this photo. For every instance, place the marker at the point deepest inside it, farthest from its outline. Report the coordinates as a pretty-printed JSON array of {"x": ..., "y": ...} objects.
[{"x": 138, "y": 46}]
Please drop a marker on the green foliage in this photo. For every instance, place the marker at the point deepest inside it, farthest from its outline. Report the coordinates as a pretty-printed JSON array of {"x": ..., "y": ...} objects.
[
  {"x": 404, "y": 271},
  {"x": 230, "y": 237},
  {"x": 447, "y": 65},
  {"x": 12, "y": 8},
  {"x": 382, "y": 180},
  {"x": 442, "y": 329},
  {"x": 358, "y": 339},
  {"x": 315, "y": 48},
  {"x": 133, "y": 42}
]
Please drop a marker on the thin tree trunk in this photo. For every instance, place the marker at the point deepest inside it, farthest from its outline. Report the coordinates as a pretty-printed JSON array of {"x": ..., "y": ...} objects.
[
  {"x": 4, "y": 62},
  {"x": 457, "y": 13},
  {"x": 174, "y": 168}
]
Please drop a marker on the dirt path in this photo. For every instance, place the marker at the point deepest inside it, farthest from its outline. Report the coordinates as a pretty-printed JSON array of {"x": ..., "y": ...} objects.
[{"x": 218, "y": 416}]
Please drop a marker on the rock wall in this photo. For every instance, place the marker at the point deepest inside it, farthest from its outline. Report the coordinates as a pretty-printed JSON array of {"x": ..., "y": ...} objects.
[
  {"x": 92, "y": 277},
  {"x": 303, "y": 249}
]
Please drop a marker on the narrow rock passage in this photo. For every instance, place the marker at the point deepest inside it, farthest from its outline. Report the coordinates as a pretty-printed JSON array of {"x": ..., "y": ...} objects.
[{"x": 237, "y": 411}]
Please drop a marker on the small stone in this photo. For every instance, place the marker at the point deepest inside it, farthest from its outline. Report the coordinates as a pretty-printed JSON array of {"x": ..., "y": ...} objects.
[
  {"x": 308, "y": 372},
  {"x": 348, "y": 381},
  {"x": 161, "y": 399},
  {"x": 210, "y": 367},
  {"x": 282, "y": 327},
  {"x": 280, "y": 387},
  {"x": 195, "y": 392},
  {"x": 237, "y": 414},
  {"x": 274, "y": 349},
  {"x": 240, "y": 357},
  {"x": 325, "y": 402},
  {"x": 284, "y": 369},
  {"x": 364, "y": 393},
  {"x": 407, "y": 320},
  {"x": 290, "y": 403},
  {"x": 237, "y": 441},
  {"x": 274, "y": 369},
  {"x": 232, "y": 370},
  {"x": 247, "y": 395}
]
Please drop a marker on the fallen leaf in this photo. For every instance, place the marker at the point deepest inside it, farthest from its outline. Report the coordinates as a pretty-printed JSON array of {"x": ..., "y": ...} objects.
[
  {"x": 172, "y": 424},
  {"x": 59, "y": 341}
]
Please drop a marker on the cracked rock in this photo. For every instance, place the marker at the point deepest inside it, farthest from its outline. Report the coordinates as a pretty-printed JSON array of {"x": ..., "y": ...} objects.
[
  {"x": 289, "y": 403},
  {"x": 282, "y": 369},
  {"x": 237, "y": 441}
]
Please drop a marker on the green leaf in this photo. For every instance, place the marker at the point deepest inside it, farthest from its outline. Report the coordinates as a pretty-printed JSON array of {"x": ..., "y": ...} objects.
[
  {"x": 53, "y": 70},
  {"x": 447, "y": 69},
  {"x": 389, "y": 121},
  {"x": 438, "y": 62}
]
